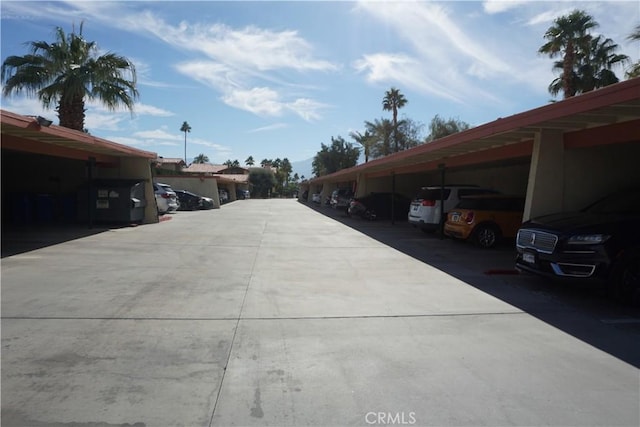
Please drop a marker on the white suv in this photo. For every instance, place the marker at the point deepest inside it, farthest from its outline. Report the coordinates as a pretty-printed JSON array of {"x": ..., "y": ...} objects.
[
  {"x": 425, "y": 211},
  {"x": 166, "y": 198}
]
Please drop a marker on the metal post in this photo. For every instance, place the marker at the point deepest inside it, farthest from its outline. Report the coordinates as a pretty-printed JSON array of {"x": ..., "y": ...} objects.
[
  {"x": 393, "y": 197},
  {"x": 442, "y": 168},
  {"x": 91, "y": 200}
]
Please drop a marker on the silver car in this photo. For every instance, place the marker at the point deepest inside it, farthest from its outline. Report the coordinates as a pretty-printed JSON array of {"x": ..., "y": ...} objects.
[{"x": 166, "y": 198}]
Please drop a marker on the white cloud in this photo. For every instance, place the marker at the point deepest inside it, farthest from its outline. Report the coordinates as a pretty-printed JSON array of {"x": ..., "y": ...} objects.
[
  {"x": 499, "y": 6},
  {"x": 274, "y": 126}
]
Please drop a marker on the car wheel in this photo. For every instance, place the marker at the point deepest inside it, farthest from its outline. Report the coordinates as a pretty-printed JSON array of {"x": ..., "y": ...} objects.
[
  {"x": 486, "y": 236},
  {"x": 625, "y": 279}
]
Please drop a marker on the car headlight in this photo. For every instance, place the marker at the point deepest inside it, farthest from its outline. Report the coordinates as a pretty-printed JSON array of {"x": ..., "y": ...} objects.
[{"x": 588, "y": 239}]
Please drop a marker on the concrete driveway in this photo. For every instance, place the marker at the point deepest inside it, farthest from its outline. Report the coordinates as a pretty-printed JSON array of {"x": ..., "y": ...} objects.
[{"x": 269, "y": 312}]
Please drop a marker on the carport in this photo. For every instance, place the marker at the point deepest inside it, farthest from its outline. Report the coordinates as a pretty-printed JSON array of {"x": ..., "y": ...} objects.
[
  {"x": 52, "y": 175},
  {"x": 561, "y": 156}
]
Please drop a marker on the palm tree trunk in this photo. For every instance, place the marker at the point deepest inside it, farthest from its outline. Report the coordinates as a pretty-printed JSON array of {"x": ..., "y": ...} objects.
[{"x": 72, "y": 113}]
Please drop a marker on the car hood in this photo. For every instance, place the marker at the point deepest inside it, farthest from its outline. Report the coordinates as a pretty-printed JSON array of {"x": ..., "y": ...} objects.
[{"x": 576, "y": 221}]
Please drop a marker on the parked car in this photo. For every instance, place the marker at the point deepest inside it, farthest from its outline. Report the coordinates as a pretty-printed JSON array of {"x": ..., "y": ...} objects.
[
  {"x": 190, "y": 201},
  {"x": 341, "y": 198},
  {"x": 485, "y": 219},
  {"x": 599, "y": 243},
  {"x": 425, "y": 211},
  {"x": 223, "y": 195},
  {"x": 166, "y": 198},
  {"x": 315, "y": 197},
  {"x": 379, "y": 206},
  {"x": 242, "y": 194}
]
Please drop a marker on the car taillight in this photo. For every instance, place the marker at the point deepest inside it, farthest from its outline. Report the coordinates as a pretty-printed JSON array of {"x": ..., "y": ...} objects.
[
  {"x": 165, "y": 196},
  {"x": 469, "y": 217},
  {"x": 428, "y": 203}
]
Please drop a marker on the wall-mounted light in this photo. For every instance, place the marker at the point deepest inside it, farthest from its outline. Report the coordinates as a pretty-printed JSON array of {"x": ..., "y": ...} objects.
[{"x": 43, "y": 122}]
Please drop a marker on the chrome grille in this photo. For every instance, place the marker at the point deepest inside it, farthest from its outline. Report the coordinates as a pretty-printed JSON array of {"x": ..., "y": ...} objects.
[{"x": 538, "y": 240}]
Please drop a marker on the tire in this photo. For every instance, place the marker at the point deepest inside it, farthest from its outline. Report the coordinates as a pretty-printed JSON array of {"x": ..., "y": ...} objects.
[
  {"x": 624, "y": 284},
  {"x": 486, "y": 236}
]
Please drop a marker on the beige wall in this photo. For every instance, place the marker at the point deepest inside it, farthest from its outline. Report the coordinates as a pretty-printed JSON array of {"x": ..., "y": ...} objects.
[{"x": 593, "y": 172}]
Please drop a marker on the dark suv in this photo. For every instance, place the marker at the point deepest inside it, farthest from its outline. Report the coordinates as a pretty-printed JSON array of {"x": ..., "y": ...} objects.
[{"x": 600, "y": 242}]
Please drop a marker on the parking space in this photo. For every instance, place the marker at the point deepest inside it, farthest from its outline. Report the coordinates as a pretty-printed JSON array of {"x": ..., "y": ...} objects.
[{"x": 276, "y": 312}]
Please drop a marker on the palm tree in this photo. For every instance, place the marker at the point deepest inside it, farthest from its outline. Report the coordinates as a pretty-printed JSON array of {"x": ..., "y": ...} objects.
[
  {"x": 634, "y": 71},
  {"x": 249, "y": 161},
  {"x": 393, "y": 100},
  {"x": 68, "y": 71},
  {"x": 367, "y": 140},
  {"x": 201, "y": 158},
  {"x": 567, "y": 37},
  {"x": 228, "y": 163},
  {"x": 595, "y": 66},
  {"x": 185, "y": 128},
  {"x": 381, "y": 131}
]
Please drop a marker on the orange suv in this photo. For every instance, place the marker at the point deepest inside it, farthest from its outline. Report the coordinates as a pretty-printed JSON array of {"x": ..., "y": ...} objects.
[{"x": 485, "y": 219}]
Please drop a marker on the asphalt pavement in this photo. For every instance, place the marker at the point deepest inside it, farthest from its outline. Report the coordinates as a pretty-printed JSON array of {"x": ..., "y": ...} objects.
[{"x": 279, "y": 313}]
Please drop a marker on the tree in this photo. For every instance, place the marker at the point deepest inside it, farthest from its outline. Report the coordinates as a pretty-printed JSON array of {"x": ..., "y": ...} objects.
[
  {"x": 262, "y": 180},
  {"x": 235, "y": 163},
  {"x": 367, "y": 140},
  {"x": 439, "y": 127},
  {"x": 567, "y": 37},
  {"x": 634, "y": 71},
  {"x": 201, "y": 158},
  {"x": 185, "y": 128},
  {"x": 68, "y": 71},
  {"x": 339, "y": 155},
  {"x": 249, "y": 162},
  {"x": 228, "y": 163},
  {"x": 381, "y": 131},
  {"x": 593, "y": 67},
  {"x": 393, "y": 100}
]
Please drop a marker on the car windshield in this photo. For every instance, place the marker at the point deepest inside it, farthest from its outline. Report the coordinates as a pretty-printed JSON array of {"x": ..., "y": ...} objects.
[{"x": 621, "y": 203}]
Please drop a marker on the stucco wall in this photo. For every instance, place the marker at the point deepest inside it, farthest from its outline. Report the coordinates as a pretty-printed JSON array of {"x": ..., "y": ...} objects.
[{"x": 593, "y": 172}]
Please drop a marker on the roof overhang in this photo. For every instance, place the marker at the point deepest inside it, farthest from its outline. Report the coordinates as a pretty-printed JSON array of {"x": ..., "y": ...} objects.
[
  {"x": 25, "y": 133},
  {"x": 616, "y": 106}
]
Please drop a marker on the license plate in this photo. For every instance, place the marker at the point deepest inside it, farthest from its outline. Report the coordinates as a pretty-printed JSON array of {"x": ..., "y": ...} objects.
[
  {"x": 529, "y": 258},
  {"x": 414, "y": 208}
]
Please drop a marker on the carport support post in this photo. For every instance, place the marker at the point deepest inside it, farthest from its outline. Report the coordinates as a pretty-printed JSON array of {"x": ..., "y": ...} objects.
[
  {"x": 91, "y": 164},
  {"x": 393, "y": 197},
  {"x": 441, "y": 168}
]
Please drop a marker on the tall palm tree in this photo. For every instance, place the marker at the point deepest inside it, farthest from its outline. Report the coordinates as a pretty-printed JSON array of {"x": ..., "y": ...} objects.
[
  {"x": 201, "y": 158},
  {"x": 250, "y": 161},
  {"x": 68, "y": 71},
  {"x": 393, "y": 100},
  {"x": 185, "y": 128},
  {"x": 634, "y": 71},
  {"x": 567, "y": 37}
]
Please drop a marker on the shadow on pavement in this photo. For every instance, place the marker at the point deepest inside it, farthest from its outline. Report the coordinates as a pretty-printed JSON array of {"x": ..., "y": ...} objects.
[
  {"x": 17, "y": 240},
  {"x": 580, "y": 310}
]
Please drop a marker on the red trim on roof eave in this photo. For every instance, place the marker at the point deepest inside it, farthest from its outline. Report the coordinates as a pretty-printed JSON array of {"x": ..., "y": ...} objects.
[{"x": 26, "y": 122}]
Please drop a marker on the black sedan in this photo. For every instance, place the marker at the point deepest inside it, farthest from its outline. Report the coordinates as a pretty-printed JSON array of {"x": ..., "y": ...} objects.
[
  {"x": 600, "y": 243},
  {"x": 380, "y": 206},
  {"x": 190, "y": 201}
]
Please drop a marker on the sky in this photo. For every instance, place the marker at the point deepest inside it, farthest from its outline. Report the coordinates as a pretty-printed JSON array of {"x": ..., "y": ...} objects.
[{"x": 276, "y": 79}]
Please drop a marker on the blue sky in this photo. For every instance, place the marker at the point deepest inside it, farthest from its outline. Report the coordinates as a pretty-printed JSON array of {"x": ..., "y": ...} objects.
[{"x": 275, "y": 79}]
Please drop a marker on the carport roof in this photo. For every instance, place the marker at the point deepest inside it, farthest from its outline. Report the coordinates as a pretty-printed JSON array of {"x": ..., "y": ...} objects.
[
  {"x": 613, "y": 104},
  {"x": 28, "y": 128}
]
